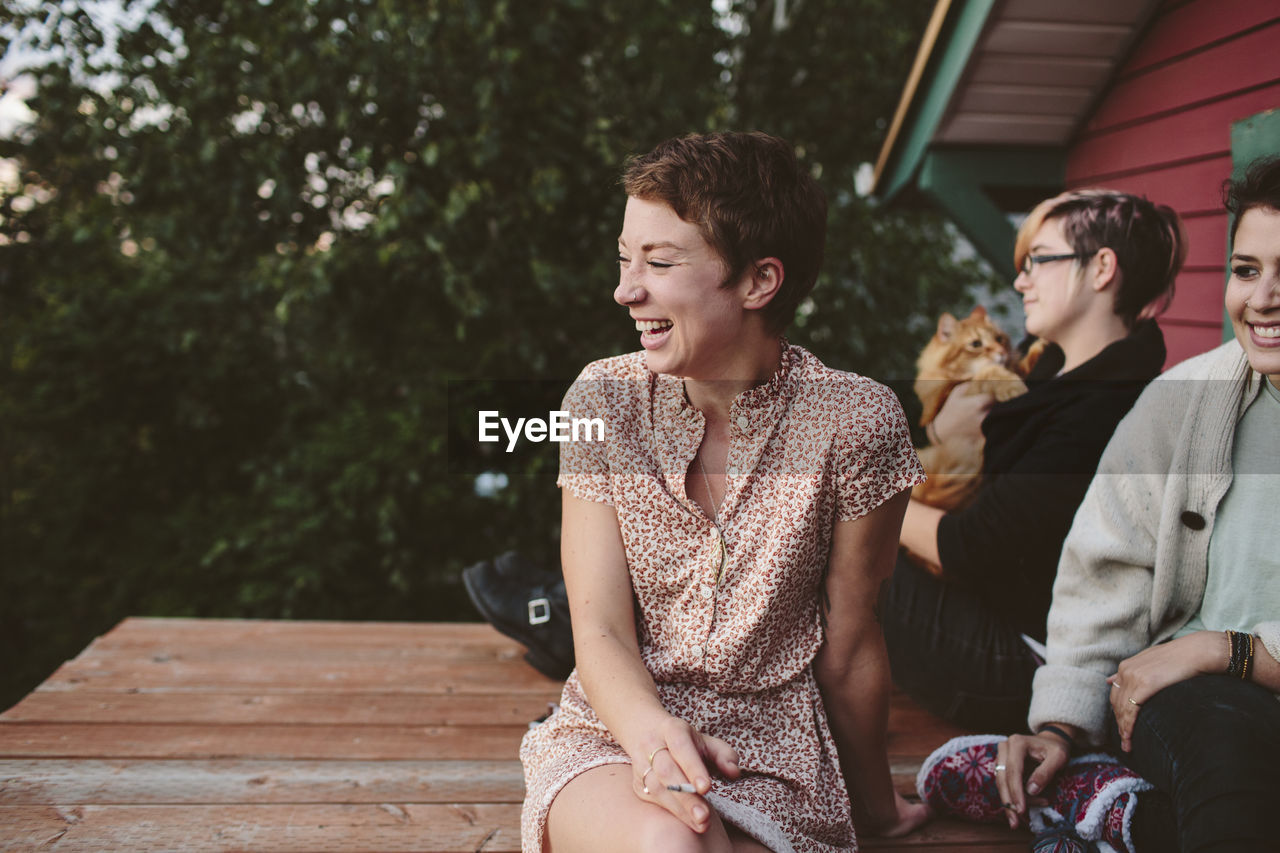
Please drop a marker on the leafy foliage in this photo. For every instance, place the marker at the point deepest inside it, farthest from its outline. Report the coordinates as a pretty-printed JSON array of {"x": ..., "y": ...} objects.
[{"x": 249, "y": 250}]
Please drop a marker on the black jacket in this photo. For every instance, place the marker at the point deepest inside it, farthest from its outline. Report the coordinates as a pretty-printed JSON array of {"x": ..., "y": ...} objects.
[{"x": 1041, "y": 452}]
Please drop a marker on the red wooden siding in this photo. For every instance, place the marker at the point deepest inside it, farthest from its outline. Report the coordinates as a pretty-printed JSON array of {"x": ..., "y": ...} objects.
[
  {"x": 1185, "y": 27},
  {"x": 1193, "y": 187},
  {"x": 1163, "y": 129}
]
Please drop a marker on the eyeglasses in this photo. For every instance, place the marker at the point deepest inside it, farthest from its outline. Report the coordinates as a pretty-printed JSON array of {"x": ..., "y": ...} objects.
[{"x": 1029, "y": 261}]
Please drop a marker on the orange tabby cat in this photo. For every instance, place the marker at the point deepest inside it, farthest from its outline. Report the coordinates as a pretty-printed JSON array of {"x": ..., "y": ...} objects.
[{"x": 972, "y": 350}]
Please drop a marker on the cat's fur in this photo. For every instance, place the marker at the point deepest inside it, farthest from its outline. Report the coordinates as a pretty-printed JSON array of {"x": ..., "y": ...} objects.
[{"x": 972, "y": 350}]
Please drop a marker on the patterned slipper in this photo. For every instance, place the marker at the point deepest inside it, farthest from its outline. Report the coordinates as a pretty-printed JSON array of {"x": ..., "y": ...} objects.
[
  {"x": 1061, "y": 838},
  {"x": 1096, "y": 795},
  {"x": 959, "y": 779}
]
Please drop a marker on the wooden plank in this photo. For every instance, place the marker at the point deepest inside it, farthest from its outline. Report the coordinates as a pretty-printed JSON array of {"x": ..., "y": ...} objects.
[
  {"x": 1010, "y": 128},
  {"x": 290, "y": 741},
  {"x": 382, "y": 827},
  {"x": 1018, "y": 98},
  {"x": 438, "y": 676},
  {"x": 284, "y": 828},
  {"x": 954, "y": 836},
  {"x": 1239, "y": 64},
  {"x": 308, "y": 648},
  {"x": 307, "y": 651},
  {"x": 176, "y": 781},
  {"x": 1169, "y": 140},
  {"x": 1091, "y": 11},
  {"x": 364, "y": 743},
  {"x": 1040, "y": 70},
  {"x": 250, "y": 636},
  {"x": 238, "y": 630},
  {"x": 238, "y": 707},
  {"x": 379, "y": 709},
  {"x": 1191, "y": 26},
  {"x": 150, "y": 740},
  {"x": 1057, "y": 38}
]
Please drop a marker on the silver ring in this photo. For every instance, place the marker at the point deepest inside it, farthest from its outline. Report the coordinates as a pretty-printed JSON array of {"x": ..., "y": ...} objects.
[
  {"x": 1134, "y": 702},
  {"x": 999, "y": 768}
]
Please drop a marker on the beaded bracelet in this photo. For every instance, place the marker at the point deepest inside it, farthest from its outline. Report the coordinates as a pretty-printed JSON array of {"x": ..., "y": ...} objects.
[
  {"x": 1241, "y": 659},
  {"x": 1248, "y": 659},
  {"x": 1233, "y": 657}
]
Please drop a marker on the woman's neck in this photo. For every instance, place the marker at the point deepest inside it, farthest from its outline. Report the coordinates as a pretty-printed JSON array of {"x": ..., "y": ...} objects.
[
  {"x": 1089, "y": 338},
  {"x": 714, "y": 395}
]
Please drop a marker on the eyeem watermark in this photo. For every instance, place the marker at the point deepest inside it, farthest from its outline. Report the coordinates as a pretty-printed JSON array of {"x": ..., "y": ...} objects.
[{"x": 558, "y": 426}]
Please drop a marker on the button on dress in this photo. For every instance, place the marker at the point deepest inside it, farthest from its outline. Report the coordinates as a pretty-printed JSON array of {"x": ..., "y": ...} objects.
[{"x": 730, "y": 648}]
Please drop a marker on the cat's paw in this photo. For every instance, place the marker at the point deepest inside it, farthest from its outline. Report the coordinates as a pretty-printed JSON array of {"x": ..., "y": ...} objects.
[
  {"x": 1007, "y": 389},
  {"x": 998, "y": 381}
]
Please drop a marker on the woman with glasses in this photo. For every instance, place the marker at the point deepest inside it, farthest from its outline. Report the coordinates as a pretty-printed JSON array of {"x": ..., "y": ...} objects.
[{"x": 965, "y": 612}]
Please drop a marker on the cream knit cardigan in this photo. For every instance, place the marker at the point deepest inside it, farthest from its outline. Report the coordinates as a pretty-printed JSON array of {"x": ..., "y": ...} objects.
[{"x": 1134, "y": 564}]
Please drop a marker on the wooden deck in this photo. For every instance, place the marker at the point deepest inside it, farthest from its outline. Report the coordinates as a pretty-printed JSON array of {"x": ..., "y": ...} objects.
[{"x": 202, "y": 735}]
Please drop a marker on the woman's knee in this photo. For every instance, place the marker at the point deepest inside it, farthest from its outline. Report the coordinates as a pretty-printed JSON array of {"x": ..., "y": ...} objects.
[
  {"x": 598, "y": 810},
  {"x": 1213, "y": 745},
  {"x": 1211, "y": 718},
  {"x": 666, "y": 832},
  {"x": 659, "y": 831}
]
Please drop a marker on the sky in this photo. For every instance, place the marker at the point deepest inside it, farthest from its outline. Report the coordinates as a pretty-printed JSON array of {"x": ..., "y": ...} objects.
[{"x": 16, "y": 86}]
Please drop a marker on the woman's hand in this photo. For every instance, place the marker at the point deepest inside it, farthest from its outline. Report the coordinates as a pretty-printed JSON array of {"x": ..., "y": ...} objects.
[
  {"x": 1148, "y": 672},
  {"x": 906, "y": 818},
  {"x": 1047, "y": 751},
  {"x": 679, "y": 755},
  {"x": 960, "y": 418}
]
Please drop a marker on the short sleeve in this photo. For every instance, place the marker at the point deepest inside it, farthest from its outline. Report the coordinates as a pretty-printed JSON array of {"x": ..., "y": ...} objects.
[
  {"x": 877, "y": 459},
  {"x": 584, "y": 464}
]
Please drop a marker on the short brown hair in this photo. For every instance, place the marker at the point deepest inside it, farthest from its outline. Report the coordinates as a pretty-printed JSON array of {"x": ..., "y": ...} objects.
[
  {"x": 750, "y": 199},
  {"x": 1147, "y": 238}
]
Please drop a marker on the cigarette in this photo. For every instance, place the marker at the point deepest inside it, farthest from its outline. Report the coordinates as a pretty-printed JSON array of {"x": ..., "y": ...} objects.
[{"x": 682, "y": 789}]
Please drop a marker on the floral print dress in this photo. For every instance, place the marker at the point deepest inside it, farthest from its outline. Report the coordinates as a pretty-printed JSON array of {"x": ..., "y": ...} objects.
[{"x": 730, "y": 649}]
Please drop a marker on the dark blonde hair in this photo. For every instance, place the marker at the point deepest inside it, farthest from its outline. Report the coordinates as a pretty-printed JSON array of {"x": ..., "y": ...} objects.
[
  {"x": 750, "y": 199},
  {"x": 1148, "y": 240}
]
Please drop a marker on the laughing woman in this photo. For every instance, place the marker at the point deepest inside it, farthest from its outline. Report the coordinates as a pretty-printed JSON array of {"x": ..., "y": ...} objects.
[
  {"x": 1164, "y": 634},
  {"x": 723, "y": 547}
]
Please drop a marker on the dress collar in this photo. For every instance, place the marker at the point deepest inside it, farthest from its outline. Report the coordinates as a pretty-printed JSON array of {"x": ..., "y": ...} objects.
[{"x": 669, "y": 390}]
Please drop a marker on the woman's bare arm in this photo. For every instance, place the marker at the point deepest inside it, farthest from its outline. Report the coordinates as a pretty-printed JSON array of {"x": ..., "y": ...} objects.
[
  {"x": 620, "y": 689},
  {"x": 920, "y": 533},
  {"x": 852, "y": 667}
]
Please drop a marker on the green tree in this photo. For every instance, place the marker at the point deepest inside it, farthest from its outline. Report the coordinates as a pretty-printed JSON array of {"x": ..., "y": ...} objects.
[{"x": 253, "y": 248}]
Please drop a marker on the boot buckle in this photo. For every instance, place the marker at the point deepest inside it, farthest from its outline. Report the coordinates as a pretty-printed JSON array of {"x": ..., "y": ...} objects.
[{"x": 539, "y": 611}]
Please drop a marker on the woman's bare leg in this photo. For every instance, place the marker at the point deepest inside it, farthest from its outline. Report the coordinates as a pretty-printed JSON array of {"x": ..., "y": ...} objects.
[{"x": 598, "y": 810}]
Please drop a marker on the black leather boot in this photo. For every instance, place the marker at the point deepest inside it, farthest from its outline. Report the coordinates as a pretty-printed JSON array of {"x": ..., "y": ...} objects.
[{"x": 529, "y": 605}]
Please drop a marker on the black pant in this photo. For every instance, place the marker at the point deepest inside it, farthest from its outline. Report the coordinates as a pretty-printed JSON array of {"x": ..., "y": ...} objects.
[
  {"x": 1211, "y": 746},
  {"x": 954, "y": 655}
]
